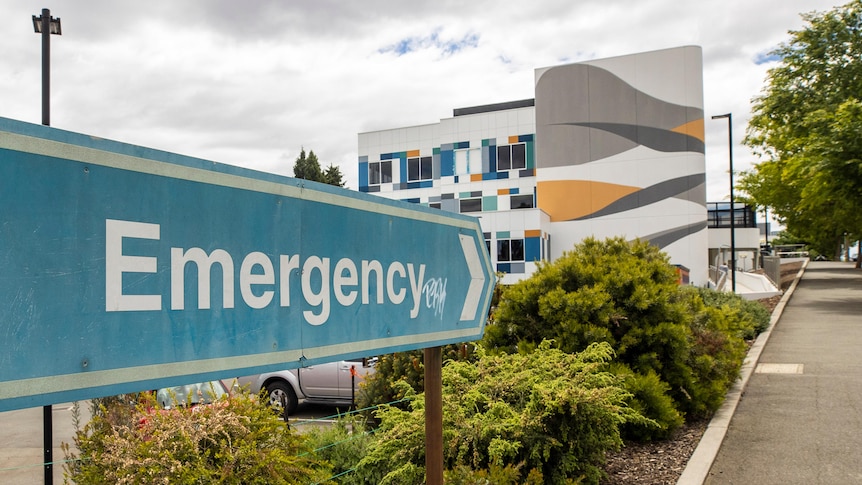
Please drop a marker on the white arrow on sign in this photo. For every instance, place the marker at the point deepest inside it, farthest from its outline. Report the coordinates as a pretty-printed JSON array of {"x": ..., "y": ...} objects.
[{"x": 477, "y": 278}]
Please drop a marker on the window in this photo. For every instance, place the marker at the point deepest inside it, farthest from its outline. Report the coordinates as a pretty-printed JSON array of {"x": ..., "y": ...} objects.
[
  {"x": 510, "y": 250},
  {"x": 471, "y": 205},
  {"x": 512, "y": 157},
  {"x": 434, "y": 205},
  {"x": 521, "y": 201},
  {"x": 380, "y": 172},
  {"x": 419, "y": 169}
]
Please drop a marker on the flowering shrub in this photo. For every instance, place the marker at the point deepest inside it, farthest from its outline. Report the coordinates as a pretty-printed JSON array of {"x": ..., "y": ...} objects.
[{"x": 235, "y": 440}]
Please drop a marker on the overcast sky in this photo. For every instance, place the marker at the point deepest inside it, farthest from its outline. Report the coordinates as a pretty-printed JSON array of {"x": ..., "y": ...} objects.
[{"x": 251, "y": 82}]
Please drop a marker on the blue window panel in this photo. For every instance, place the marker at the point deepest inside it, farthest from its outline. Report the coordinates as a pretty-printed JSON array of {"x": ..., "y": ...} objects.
[
  {"x": 403, "y": 164},
  {"x": 495, "y": 175},
  {"x": 414, "y": 200},
  {"x": 462, "y": 144},
  {"x": 363, "y": 174},
  {"x": 456, "y": 179},
  {"x": 375, "y": 188},
  {"x": 532, "y": 249},
  {"x": 447, "y": 163},
  {"x": 514, "y": 191},
  {"x": 504, "y": 267},
  {"x": 420, "y": 185},
  {"x": 523, "y": 138}
]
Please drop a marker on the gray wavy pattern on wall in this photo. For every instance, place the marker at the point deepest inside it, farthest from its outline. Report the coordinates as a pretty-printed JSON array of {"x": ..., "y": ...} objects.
[
  {"x": 691, "y": 188},
  {"x": 585, "y": 113},
  {"x": 666, "y": 238},
  {"x": 656, "y": 138}
]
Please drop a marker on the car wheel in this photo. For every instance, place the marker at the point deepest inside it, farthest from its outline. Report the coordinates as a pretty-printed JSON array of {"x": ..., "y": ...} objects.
[{"x": 279, "y": 392}]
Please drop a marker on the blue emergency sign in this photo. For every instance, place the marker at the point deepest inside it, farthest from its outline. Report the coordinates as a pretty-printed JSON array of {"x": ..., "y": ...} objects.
[{"x": 124, "y": 268}]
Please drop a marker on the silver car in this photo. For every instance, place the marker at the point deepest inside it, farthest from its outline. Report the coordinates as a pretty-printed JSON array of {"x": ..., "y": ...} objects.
[{"x": 334, "y": 383}]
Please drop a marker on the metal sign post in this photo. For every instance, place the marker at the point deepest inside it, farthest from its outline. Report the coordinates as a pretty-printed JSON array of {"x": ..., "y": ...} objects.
[{"x": 433, "y": 416}]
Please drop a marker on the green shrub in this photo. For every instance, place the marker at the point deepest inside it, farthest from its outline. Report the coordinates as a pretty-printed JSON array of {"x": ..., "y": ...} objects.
[
  {"x": 650, "y": 397},
  {"x": 750, "y": 318},
  {"x": 548, "y": 411},
  {"x": 236, "y": 440},
  {"x": 398, "y": 372},
  {"x": 615, "y": 291},
  {"x": 342, "y": 445},
  {"x": 626, "y": 294},
  {"x": 494, "y": 475},
  {"x": 715, "y": 355}
]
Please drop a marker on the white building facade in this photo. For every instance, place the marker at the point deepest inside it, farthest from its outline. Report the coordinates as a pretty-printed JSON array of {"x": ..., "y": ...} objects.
[{"x": 611, "y": 147}]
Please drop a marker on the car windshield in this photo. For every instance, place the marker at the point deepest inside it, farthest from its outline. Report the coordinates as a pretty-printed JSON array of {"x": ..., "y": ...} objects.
[{"x": 190, "y": 394}]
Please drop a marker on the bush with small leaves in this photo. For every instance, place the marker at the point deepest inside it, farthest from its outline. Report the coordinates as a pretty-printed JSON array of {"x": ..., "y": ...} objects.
[
  {"x": 235, "y": 440},
  {"x": 548, "y": 411}
]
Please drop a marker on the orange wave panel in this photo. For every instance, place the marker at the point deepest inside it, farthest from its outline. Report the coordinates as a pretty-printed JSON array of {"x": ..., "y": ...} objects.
[
  {"x": 412, "y": 153},
  {"x": 533, "y": 233},
  {"x": 692, "y": 128},
  {"x": 564, "y": 200}
]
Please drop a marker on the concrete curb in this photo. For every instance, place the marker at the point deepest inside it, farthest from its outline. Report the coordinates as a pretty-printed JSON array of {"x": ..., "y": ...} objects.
[{"x": 697, "y": 469}]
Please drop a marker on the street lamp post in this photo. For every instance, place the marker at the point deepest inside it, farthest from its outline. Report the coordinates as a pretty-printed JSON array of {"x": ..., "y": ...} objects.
[
  {"x": 46, "y": 26},
  {"x": 732, "y": 207}
]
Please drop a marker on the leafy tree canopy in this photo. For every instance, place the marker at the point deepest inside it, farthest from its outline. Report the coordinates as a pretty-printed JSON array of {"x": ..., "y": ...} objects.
[{"x": 806, "y": 124}]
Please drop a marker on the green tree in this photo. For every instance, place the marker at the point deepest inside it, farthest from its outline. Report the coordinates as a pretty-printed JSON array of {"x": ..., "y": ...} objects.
[
  {"x": 307, "y": 168},
  {"x": 333, "y": 176},
  {"x": 806, "y": 123}
]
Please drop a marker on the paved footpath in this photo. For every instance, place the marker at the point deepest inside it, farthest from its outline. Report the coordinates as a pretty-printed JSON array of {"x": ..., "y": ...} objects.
[
  {"x": 799, "y": 418},
  {"x": 21, "y": 438}
]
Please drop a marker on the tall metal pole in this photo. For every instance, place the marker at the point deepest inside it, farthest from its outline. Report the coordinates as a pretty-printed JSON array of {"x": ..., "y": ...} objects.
[
  {"x": 43, "y": 25},
  {"x": 46, "y": 67},
  {"x": 47, "y": 411},
  {"x": 732, "y": 206}
]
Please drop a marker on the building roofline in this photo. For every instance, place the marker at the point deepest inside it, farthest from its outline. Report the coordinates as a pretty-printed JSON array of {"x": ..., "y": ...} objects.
[{"x": 488, "y": 108}]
